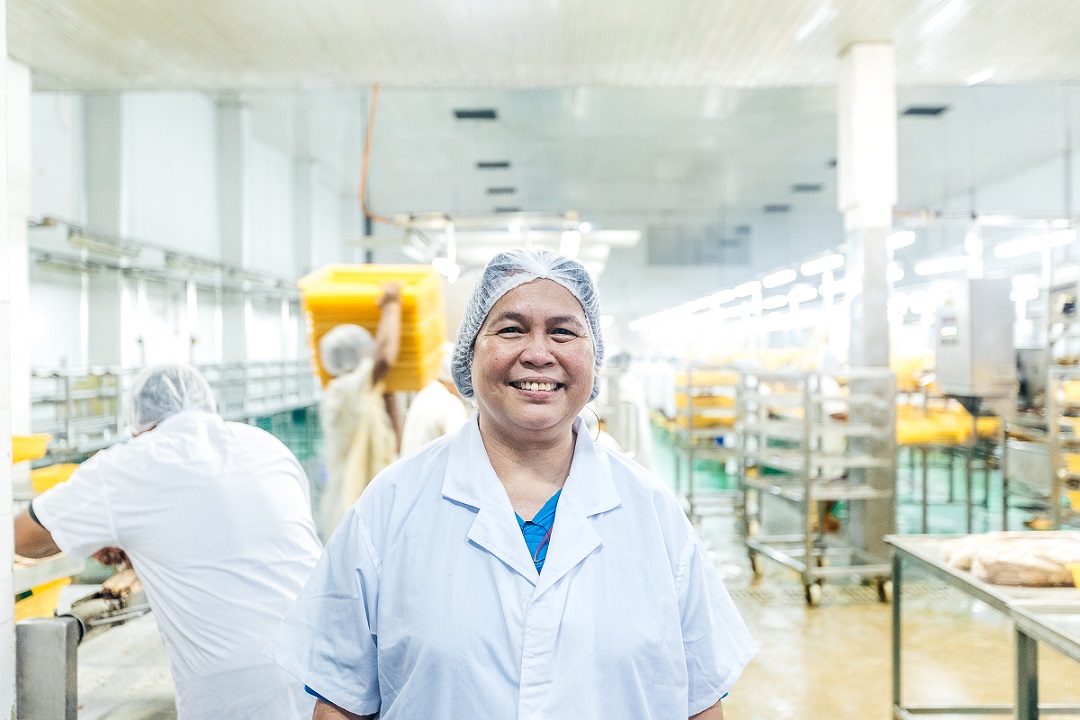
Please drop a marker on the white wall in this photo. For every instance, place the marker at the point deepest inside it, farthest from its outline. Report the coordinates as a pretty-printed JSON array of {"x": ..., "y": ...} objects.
[
  {"x": 169, "y": 167},
  {"x": 57, "y": 156},
  {"x": 269, "y": 177}
]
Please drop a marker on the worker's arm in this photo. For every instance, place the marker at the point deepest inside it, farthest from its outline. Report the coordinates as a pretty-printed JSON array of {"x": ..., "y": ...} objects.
[
  {"x": 388, "y": 334},
  {"x": 326, "y": 711},
  {"x": 32, "y": 540},
  {"x": 716, "y": 712}
]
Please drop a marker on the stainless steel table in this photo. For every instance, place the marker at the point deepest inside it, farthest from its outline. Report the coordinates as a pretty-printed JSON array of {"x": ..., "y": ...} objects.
[
  {"x": 1057, "y": 626},
  {"x": 1034, "y": 605}
]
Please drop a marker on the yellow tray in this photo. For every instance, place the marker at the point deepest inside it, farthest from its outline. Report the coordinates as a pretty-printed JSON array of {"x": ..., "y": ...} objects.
[
  {"x": 44, "y": 478},
  {"x": 339, "y": 294},
  {"x": 29, "y": 447},
  {"x": 42, "y": 602}
]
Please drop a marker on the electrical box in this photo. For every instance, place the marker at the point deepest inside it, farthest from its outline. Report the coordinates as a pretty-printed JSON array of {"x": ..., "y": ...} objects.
[{"x": 974, "y": 339}]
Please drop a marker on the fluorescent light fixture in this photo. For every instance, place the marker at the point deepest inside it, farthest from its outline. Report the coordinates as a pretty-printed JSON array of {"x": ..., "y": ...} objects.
[
  {"x": 724, "y": 296},
  {"x": 570, "y": 243},
  {"x": 637, "y": 325},
  {"x": 822, "y": 264},
  {"x": 943, "y": 19},
  {"x": 776, "y": 279},
  {"x": 1025, "y": 246},
  {"x": 819, "y": 19},
  {"x": 801, "y": 294},
  {"x": 515, "y": 227},
  {"x": 942, "y": 265},
  {"x": 979, "y": 77},
  {"x": 585, "y": 227},
  {"x": 900, "y": 239},
  {"x": 833, "y": 287},
  {"x": 774, "y": 302},
  {"x": 1023, "y": 294},
  {"x": 607, "y": 321},
  {"x": 894, "y": 273},
  {"x": 747, "y": 288},
  {"x": 415, "y": 254},
  {"x": 1059, "y": 224},
  {"x": 447, "y": 268}
]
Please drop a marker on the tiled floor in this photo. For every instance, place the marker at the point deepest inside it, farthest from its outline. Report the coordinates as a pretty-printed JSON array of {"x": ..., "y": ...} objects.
[{"x": 832, "y": 662}]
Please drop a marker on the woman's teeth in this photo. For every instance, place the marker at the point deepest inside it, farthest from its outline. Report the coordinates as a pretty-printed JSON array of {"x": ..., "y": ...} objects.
[{"x": 534, "y": 386}]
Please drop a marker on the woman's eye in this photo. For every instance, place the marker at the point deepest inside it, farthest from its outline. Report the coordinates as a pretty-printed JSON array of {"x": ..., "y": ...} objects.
[
  {"x": 563, "y": 334},
  {"x": 512, "y": 330}
]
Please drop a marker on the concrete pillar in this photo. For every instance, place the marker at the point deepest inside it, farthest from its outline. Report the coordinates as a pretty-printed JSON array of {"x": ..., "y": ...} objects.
[
  {"x": 7, "y": 311},
  {"x": 18, "y": 195},
  {"x": 233, "y": 152},
  {"x": 866, "y": 163},
  {"x": 104, "y": 293}
]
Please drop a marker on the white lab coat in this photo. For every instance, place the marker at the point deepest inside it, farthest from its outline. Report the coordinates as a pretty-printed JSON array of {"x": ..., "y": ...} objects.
[
  {"x": 434, "y": 412},
  {"x": 426, "y": 603},
  {"x": 216, "y": 518}
]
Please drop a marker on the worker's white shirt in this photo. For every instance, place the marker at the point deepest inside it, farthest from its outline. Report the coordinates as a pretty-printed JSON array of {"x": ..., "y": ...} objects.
[
  {"x": 426, "y": 603},
  {"x": 434, "y": 412},
  {"x": 216, "y": 519}
]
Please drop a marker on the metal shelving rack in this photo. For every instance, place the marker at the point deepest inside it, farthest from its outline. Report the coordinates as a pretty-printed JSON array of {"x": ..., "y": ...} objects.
[
  {"x": 705, "y": 428},
  {"x": 788, "y": 426},
  {"x": 1062, "y": 402}
]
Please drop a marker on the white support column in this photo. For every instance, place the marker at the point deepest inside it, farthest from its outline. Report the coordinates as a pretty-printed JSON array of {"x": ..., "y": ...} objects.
[
  {"x": 866, "y": 161},
  {"x": 234, "y": 133},
  {"x": 7, "y": 311},
  {"x": 104, "y": 293},
  {"x": 18, "y": 196},
  {"x": 305, "y": 184}
]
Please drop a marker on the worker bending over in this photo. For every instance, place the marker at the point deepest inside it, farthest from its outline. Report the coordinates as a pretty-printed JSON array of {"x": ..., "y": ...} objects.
[
  {"x": 358, "y": 417},
  {"x": 215, "y": 517}
]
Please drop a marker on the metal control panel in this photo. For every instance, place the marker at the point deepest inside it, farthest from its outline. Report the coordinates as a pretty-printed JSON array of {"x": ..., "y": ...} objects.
[{"x": 974, "y": 339}]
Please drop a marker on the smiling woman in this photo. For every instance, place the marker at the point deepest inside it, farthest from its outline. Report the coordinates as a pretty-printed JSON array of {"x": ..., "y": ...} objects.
[{"x": 516, "y": 569}]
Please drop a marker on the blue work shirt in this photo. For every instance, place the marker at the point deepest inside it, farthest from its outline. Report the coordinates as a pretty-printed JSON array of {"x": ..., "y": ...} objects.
[{"x": 537, "y": 531}]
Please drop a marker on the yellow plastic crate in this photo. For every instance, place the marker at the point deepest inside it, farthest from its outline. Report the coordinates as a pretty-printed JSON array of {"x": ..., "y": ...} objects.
[
  {"x": 339, "y": 294},
  {"x": 44, "y": 478},
  {"x": 704, "y": 401},
  {"x": 42, "y": 601},
  {"x": 29, "y": 447}
]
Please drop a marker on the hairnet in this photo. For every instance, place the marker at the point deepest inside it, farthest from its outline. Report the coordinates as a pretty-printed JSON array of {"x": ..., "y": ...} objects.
[
  {"x": 163, "y": 390},
  {"x": 508, "y": 270},
  {"x": 342, "y": 349}
]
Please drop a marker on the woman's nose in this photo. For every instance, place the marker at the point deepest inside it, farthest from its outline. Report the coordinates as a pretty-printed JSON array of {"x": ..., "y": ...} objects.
[{"x": 538, "y": 351}]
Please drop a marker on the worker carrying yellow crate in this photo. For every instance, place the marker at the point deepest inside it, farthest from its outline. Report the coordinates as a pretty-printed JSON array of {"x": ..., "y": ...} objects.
[{"x": 402, "y": 306}]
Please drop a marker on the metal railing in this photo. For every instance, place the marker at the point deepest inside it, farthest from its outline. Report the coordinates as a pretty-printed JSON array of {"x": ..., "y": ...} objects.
[{"x": 83, "y": 408}]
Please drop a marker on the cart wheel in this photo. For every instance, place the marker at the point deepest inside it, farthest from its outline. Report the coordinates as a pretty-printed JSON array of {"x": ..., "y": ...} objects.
[
  {"x": 755, "y": 564},
  {"x": 884, "y": 590},
  {"x": 813, "y": 594}
]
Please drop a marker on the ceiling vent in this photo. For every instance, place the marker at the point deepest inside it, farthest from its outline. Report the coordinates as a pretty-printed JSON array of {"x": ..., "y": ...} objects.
[
  {"x": 476, "y": 114},
  {"x": 925, "y": 110},
  {"x": 493, "y": 165},
  {"x": 507, "y": 209},
  {"x": 778, "y": 208},
  {"x": 807, "y": 187},
  {"x": 501, "y": 190}
]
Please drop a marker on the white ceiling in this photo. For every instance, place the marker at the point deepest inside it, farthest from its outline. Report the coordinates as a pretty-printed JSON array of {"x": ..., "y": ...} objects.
[
  {"x": 185, "y": 44},
  {"x": 635, "y": 113}
]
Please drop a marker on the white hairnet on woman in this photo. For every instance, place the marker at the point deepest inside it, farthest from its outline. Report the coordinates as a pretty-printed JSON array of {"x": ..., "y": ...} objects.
[
  {"x": 517, "y": 568},
  {"x": 343, "y": 348},
  {"x": 163, "y": 390},
  {"x": 508, "y": 270}
]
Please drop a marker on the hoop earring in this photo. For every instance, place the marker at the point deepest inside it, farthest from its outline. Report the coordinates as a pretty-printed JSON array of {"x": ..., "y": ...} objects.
[{"x": 597, "y": 422}]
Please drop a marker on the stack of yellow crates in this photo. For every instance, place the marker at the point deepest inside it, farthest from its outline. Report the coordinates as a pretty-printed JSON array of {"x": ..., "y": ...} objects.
[{"x": 339, "y": 294}]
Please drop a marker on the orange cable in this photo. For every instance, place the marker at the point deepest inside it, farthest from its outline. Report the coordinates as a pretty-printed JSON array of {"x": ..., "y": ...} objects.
[{"x": 362, "y": 192}]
